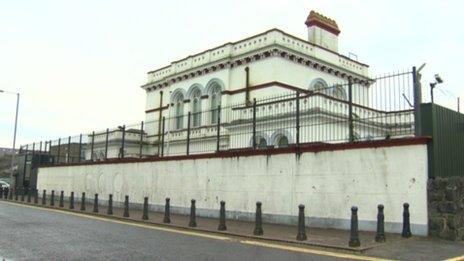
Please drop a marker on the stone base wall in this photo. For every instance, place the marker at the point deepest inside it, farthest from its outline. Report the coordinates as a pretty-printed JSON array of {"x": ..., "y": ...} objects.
[{"x": 446, "y": 208}]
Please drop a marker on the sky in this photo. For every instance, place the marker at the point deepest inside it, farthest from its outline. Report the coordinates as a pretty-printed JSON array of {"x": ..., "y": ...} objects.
[{"x": 79, "y": 65}]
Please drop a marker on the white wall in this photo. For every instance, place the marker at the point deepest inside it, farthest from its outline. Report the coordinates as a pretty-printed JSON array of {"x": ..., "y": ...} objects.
[{"x": 327, "y": 182}]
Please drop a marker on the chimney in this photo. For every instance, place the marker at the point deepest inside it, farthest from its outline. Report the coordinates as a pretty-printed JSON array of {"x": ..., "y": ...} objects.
[{"x": 322, "y": 31}]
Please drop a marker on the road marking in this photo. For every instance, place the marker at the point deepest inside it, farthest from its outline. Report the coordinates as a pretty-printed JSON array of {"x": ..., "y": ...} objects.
[
  {"x": 308, "y": 250},
  {"x": 458, "y": 258},
  {"x": 206, "y": 235},
  {"x": 129, "y": 222}
]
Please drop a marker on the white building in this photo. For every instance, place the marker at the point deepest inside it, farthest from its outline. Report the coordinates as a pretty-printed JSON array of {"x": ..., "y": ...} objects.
[{"x": 270, "y": 67}]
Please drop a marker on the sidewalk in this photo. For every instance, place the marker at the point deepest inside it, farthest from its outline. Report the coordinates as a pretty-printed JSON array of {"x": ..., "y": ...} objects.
[{"x": 396, "y": 247}]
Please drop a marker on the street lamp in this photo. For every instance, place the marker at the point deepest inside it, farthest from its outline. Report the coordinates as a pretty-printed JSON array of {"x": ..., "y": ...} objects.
[
  {"x": 14, "y": 135},
  {"x": 438, "y": 80}
]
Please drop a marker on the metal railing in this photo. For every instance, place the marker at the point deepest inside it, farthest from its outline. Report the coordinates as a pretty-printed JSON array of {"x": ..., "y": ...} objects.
[{"x": 345, "y": 112}]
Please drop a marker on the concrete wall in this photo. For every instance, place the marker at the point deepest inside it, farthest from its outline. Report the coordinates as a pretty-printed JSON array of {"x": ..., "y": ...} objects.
[{"x": 327, "y": 182}]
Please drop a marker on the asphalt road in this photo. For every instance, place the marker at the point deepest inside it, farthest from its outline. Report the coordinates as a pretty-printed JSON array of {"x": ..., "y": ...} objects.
[{"x": 39, "y": 234}]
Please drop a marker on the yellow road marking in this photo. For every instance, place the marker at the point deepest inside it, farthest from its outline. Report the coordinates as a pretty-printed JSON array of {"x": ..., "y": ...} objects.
[
  {"x": 458, "y": 258},
  {"x": 210, "y": 236},
  {"x": 154, "y": 226},
  {"x": 308, "y": 251}
]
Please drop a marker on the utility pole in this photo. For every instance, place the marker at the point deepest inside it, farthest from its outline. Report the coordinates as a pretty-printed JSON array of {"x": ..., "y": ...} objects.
[{"x": 13, "y": 156}]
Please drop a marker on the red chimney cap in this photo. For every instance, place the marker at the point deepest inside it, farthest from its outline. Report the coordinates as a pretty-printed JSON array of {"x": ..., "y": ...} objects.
[{"x": 317, "y": 19}]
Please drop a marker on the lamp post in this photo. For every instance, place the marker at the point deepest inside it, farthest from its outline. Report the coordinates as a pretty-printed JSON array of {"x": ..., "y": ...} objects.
[
  {"x": 13, "y": 157},
  {"x": 438, "y": 80}
]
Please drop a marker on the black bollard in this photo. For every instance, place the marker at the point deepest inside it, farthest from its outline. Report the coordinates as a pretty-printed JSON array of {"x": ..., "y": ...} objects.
[
  {"x": 222, "y": 217},
  {"x": 258, "y": 231},
  {"x": 406, "y": 224},
  {"x": 61, "y": 204},
  {"x": 71, "y": 200},
  {"x": 301, "y": 224},
  {"x": 110, "y": 205},
  {"x": 95, "y": 204},
  {"x": 83, "y": 202},
  {"x": 126, "y": 207},
  {"x": 167, "y": 211},
  {"x": 36, "y": 196},
  {"x": 44, "y": 197},
  {"x": 193, "y": 214},
  {"x": 145, "y": 208},
  {"x": 52, "y": 198},
  {"x": 29, "y": 195},
  {"x": 380, "y": 235},
  {"x": 22, "y": 195},
  {"x": 1, "y": 192},
  {"x": 354, "y": 233},
  {"x": 16, "y": 194}
]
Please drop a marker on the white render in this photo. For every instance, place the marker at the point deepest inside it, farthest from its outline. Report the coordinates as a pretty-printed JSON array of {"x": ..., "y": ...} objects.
[
  {"x": 328, "y": 183},
  {"x": 274, "y": 68}
]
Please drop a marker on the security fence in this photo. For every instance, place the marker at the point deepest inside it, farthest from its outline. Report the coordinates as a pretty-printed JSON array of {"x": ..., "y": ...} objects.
[{"x": 381, "y": 108}]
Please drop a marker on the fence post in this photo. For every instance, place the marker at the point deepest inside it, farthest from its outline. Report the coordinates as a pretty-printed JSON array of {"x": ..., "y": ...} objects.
[
  {"x": 49, "y": 148},
  {"x": 40, "y": 148},
  {"x": 297, "y": 122},
  {"x": 254, "y": 123},
  {"x": 123, "y": 145},
  {"x": 141, "y": 140},
  {"x": 188, "y": 133},
  {"x": 417, "y": 101},
  {"x": 33, "y": 150},
  {"x": 162, "y": 138},
  {"x": 69, "y": 149},
  {"x": 106, "y": 143},
  {"x": 91, "y": 146},
  {"x": 80, "y": 147},
  {"x": 350, "y": 110},
  {"x": 218, "y": 133},
  {"x": 59, "y": 149}
]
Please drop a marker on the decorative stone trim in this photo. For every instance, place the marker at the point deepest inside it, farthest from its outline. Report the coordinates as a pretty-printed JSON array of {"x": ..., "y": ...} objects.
[{"x": 265, "y": 54}]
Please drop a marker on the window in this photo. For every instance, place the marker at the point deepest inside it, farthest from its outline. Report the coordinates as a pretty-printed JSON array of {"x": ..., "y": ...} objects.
[
  {"x": 281, "y": 141},
  {"x": 215, "y": 103},
  {"x": 179, "y": 111},
  {"x": 319, "y": 85},
  {"x": 261, "y": 142},
  {"x": 196, "y": 108},
  {"x": 338, "y": 92}
]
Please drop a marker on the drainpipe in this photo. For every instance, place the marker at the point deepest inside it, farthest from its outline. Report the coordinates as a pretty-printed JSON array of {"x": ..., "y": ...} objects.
[
  {"x": 160, "y": 118},
  {"x": 247, "y": 86}
]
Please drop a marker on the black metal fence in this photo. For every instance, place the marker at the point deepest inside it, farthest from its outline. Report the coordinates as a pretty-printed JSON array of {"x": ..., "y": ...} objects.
[{"x": 349, "y": 111}]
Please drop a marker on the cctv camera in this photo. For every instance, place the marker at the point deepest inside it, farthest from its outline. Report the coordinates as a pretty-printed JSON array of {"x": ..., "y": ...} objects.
[{"x": 438, "y": 78}]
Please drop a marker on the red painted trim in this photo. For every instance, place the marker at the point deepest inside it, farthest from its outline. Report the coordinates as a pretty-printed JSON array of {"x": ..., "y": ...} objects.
[
  {"x": 307, "y": 147},
  {"x": 157, "y": 109},
  {"x": 266, "y": 85}
]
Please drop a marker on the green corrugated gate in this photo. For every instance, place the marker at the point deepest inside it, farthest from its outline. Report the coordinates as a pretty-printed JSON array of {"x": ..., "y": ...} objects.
[{"x": 446, "y": 151}]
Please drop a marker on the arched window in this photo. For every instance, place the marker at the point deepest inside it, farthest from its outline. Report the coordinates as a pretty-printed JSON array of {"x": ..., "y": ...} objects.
[
  {"x": 215, "y": 103},
  {"x": 196, "y": 107},
  {"x": 318, "y": 85},
  {"x": 179, "y": 111},
  {"x": 261, "y": 142},
  {"x": 339, "y": 93},
  {"x": 281, "y": 141}
]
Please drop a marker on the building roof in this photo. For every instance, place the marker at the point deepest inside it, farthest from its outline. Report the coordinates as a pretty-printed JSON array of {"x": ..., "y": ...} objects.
[{"x": 267, "y": 39}]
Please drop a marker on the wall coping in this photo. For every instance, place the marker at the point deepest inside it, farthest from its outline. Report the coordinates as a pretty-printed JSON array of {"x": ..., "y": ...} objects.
[{"x": 306, "y": 147}]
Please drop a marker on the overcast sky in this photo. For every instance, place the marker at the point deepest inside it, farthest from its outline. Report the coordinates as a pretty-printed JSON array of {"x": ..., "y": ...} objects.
[{"x": 79, "y": 64}]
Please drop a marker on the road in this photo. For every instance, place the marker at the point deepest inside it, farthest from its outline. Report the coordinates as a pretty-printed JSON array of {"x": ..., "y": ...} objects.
[{"x": 31, "y": 233}]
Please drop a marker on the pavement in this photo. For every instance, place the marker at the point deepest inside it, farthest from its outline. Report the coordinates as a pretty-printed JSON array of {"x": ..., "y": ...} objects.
[{"x": 34, "y": 232}]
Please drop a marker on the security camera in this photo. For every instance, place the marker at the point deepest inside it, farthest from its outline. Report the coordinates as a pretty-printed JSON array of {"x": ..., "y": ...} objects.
[{"x": 438, "y": 78}]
